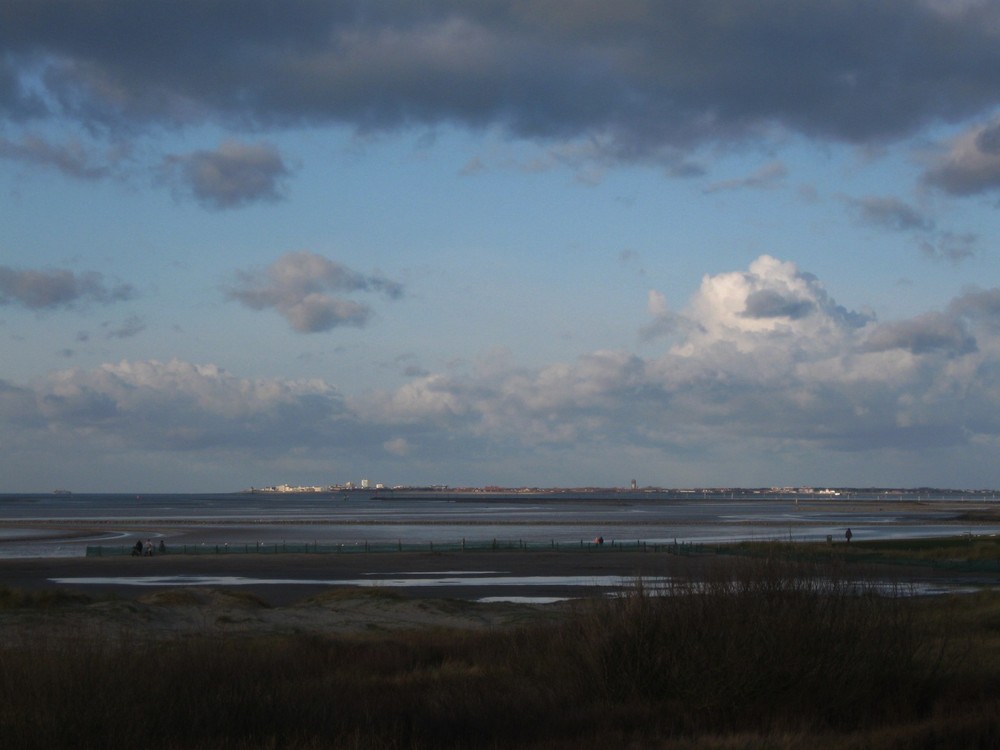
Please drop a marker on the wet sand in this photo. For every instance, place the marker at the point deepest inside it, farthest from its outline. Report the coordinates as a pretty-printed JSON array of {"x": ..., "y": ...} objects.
[
  {"x": 284, "y": 594},
  {"x": 281, "y": 579}
]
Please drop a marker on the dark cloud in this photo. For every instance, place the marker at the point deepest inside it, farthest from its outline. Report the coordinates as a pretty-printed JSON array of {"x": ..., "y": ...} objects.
[
  {"x": 16, "y": 103},
  {"x": 298, "y": 286},
  {"x": 971, "y": 165},
  {"x": 54, "y": 288},
  {"x": 648, "y": 75},
  {"x": 981, "y": 306},
  {"x": 891, "y": 213},
  {"x": 767, "y": 303},
  {"x": 231, "y": 176},
  {"x": 988, "y": 139},
  {"x": 932, "y": 332}
]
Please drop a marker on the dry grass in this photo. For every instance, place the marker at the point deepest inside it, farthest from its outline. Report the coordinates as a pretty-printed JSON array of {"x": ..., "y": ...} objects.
[{"x": 761, "y": 654}]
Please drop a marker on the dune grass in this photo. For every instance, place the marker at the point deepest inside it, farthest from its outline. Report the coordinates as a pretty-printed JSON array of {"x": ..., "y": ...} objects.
[
  {"x": 970, "y": 550},
  {"x": 761, "y": 652}
]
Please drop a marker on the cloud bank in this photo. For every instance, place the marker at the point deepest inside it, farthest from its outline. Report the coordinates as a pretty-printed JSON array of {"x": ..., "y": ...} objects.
[
  {"x": 763, "y": 360},
  {"x": 645, "y": 77}
]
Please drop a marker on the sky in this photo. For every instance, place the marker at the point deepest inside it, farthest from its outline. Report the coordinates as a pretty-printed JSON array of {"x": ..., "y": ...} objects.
[{"x": 509, "y": 242}]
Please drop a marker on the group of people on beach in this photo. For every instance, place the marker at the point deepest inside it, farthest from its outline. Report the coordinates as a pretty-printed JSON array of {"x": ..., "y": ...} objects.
[{"x": 146, "y": 550}]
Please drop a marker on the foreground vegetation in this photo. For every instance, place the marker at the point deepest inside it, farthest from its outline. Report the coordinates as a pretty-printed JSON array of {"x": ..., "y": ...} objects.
[
  {"x": 966, "y": 552},
  {"x": 763, "y": 652}
]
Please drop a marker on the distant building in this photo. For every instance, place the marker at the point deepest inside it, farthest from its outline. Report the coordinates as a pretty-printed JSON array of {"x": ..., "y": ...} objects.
[
  {"x": 364, "y": 484},
  {"x": 635, "y": 485}
]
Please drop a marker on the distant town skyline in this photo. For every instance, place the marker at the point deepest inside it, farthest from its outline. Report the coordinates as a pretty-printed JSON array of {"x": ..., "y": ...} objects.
[{"x": 515, "y": 244}]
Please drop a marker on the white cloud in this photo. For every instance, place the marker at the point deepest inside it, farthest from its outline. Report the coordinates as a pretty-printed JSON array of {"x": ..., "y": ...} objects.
[
  {"x": 656, "y": 303},
  {"x": 179, "y": 405},
  {"x": 767, "y": 359},
  {"x": 770, "y": 301},
  {"x": 767, "y": 366}
]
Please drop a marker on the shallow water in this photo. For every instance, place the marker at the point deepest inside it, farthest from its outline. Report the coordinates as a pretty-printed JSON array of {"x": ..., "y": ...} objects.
[{"x": 65, "y": 525}]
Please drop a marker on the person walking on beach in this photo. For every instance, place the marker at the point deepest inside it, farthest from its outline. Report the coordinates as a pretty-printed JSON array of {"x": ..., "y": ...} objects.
[
  {"x": 137, "y": 549},
  {"x": 848, "y": 535}
]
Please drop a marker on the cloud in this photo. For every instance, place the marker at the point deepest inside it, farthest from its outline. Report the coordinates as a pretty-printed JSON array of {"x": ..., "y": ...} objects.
[
  {"x": 58, "y": 288},
  {"x": 891, "y": 213},
  {"x": 765, "y": 361},
  {"x": 298, "y": 286},
  {"x": 768, "y": 303},
  {"x": 650, "y": 78},
  {"x": 773, "y": 299},
  {"x": 764, "y": 368},
  {"x": 931, "y": 332},
  {"x": 17, "y": 102},
  {"x": 131, "y": 326},
  {"x": 664, "y": 322},
  {"x": 397, "y": 446},
  {"x": 232, "y": 176},
  {"x": 980, "y": 306},
  {"x": 473, "y": 166},
  {"x": 768, "y": 176},
  {"x": 180, "y": 406},
  {"x": 971, "y": 164},
  {"x": 71, "y": 159},
  {"x": 951, "y": 246},
  {"x": 895, "y": 215}
]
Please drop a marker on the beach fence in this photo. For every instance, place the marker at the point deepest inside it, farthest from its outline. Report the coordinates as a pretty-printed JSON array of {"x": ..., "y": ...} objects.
[{"x": 327, "y": 548}]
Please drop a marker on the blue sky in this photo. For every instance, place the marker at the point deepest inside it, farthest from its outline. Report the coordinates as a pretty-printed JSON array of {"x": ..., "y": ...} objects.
[{"x": 517, "y": 243}]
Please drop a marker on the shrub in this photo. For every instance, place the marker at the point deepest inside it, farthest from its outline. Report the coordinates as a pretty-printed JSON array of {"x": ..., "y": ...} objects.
[{"x": 759, "y": 643}]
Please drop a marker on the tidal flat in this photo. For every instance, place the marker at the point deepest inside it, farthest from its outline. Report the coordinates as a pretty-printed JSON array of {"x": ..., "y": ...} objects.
[{"x": 765, "y": 645}]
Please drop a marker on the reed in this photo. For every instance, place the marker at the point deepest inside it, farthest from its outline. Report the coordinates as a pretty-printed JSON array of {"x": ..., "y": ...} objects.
[
  {"x": 759, "y": 644},
  {"x": 759, "y": 653}
]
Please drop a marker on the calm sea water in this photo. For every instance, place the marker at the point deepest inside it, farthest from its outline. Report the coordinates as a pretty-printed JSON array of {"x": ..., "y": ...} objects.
[{"x": 64, "y": 525}]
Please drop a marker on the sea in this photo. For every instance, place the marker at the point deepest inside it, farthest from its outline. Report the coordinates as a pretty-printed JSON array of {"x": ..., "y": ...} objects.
[{"x": 66, "y": 525}]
